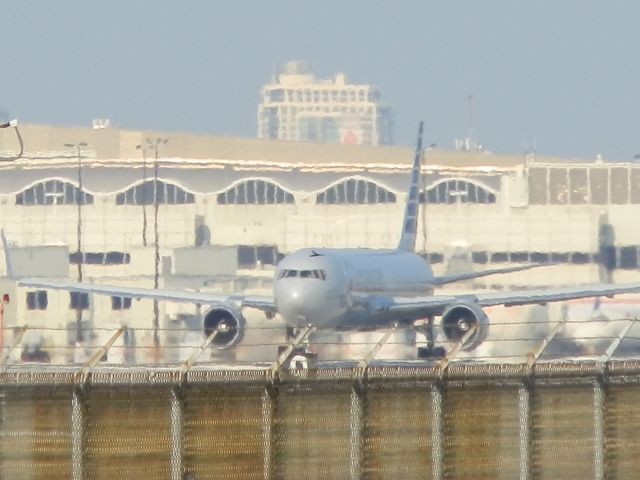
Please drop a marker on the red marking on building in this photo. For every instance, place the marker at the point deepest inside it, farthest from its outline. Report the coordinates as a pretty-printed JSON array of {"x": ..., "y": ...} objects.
[{"x": 350, "y": 138}]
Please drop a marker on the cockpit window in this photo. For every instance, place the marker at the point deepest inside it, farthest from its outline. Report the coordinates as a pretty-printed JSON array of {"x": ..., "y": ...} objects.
[{"x": 317, "y": 274}]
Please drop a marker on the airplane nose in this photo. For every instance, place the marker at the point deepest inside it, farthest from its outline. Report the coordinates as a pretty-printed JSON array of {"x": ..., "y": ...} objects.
[
  {"x": 293, "y": 298},
  {"x": 293, "y": 303}
]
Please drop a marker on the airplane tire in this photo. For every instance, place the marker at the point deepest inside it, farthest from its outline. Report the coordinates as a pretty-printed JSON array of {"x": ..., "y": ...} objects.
[{"x": 436, "y": 352}]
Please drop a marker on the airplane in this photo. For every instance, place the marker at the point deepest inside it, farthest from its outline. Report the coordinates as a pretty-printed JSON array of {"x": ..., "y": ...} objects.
[{"x": 358, "y": 289}]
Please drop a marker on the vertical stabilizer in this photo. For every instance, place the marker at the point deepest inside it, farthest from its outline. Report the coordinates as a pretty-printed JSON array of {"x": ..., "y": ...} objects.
[{"x": 411, "y": 209}]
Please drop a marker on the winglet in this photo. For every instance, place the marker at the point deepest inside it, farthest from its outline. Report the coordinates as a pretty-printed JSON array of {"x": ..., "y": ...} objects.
[
  {"x": 410, "y": 222},
  {"x": 7, "y": 254}
]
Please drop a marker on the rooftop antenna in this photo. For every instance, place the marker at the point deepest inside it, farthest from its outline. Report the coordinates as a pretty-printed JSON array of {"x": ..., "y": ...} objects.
[{"x": 470, "y": 133}]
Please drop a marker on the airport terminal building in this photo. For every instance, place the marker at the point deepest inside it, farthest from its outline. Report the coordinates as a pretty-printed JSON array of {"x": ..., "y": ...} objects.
[
  {"x": 279, "y": 196},
  {"x": 229, "y": 208}
]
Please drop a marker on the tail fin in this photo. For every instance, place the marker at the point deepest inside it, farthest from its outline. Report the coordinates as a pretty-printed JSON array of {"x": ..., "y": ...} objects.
[
  {"x": 7, "y": 254},
  {"x": 410, "y": 222}
]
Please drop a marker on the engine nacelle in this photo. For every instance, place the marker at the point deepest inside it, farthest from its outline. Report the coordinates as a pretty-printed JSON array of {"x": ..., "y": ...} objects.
[
  {"x": 229, "y": 325},
  {"x": 457, "y": 320}
]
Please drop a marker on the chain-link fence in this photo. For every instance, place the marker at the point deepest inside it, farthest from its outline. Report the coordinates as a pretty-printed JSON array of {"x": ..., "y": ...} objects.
[
  {"x": 469, "y": 420},
  {"x": 542, "y": 397}
]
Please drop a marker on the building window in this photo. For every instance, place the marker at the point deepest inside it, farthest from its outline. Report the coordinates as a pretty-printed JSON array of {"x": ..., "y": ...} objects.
[
  {"x": 634, "y": 185},
  {"x": 599, "y": 186},
  {"x": 255, "y": 192},
  {"x": 277, "y": 95},
  {"x": 79, "y": 301},
  {"x": 318, "y": 128},
  {"x": 53, "y": 192},
  {"x": 37, "y": 300},
  {"x": 120, "y": 303},
  {"x": 100, "y": 258},
  {"x": 249, "y": 256},
  {"x": 619, "y": 185},
  {"x": 480, "y": 257},
  {"x": 578, "y": 186},
  {"x": 435, "y": 257},
  {"x": 628, "y": 257},
  {"x": 457, "y": 191},
  {"x": 146, "y": 193},
  {"x": 558, "y": 186},
  {"x": 358, "y": 192}
]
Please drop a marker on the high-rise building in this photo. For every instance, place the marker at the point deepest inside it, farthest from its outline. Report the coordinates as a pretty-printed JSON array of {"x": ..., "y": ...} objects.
[{"x": 297, "y": 106}]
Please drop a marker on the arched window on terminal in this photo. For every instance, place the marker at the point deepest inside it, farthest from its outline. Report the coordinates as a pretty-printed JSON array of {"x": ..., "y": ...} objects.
[
  {"x": 255, "y": 192},
  {"x": 145, "y": 194},
  {"x": 457, "y": 191},
  {"x": 53, "y": 192},
  {"x": 355, "y": 192}
]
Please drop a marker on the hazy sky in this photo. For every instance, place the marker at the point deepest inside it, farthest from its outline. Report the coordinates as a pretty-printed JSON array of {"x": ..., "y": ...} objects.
[{"x": 561, "y": 75}]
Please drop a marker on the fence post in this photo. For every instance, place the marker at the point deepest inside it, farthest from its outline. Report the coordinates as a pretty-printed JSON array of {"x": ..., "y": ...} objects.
[
  {"x": 524, "y": 411},
  {"x": 598, "y": 430},
  {"x": 357, "y": 425},
  {"x": 77, "y": 435},
  {"x": 176, "y": 434},
  {"x": 269, "y": 406},
  {"x": 437, "y": 431}
]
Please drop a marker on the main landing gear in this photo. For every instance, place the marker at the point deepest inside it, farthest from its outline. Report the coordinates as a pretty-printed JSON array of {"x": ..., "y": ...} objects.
[{"x": 297, "y": 353}]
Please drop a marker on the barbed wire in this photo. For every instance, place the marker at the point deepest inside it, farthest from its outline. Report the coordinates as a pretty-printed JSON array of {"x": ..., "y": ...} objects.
[
  {"x": 35, "y": 344},
  {"x": 282, "y": 326}
]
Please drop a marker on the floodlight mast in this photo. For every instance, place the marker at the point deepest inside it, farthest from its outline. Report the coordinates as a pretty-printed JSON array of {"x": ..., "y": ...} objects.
[
  {"x": 13, "y": 124},
  {"x": 80, "y": 199},
  {"x": 153, "y": 145},
  {"x": 10, "y": 123}
]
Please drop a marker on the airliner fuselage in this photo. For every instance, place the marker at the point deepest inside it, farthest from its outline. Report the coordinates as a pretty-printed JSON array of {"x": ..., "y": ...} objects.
[{"x": 346, "y": 288}]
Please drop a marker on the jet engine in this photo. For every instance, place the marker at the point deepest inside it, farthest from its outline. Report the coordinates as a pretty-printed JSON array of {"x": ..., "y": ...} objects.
[
  {"x": 229, "y": 324},
  {"x": 457, "y": 320}
]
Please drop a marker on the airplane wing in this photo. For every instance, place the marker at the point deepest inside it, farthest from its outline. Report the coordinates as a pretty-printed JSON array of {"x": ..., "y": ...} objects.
[
  {"x": 416, "y": 306},
  {"x": 182, "y": 296},
  {"x": 436, "y": 304},
  {"x": 546, "y": 295},
  {"x": 443, "y": 280}
]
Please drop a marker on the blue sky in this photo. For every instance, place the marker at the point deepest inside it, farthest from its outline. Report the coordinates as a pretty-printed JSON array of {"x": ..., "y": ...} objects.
[{"x": 561, "y": 75}]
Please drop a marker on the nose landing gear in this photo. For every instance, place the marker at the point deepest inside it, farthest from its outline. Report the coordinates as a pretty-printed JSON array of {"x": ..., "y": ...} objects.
[
  {"x": 429, "y": 351},
  {"x": 296, "y": 354},
  {"x": 301, "y": 357},
  {"x": 290, "y": 334}
]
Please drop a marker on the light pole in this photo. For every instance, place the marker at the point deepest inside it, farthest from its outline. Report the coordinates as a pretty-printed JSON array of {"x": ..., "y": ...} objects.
[
  {"x": 144, "y": 193},
  {"x": 10, "y": 124},
  {"x": 13, "y": 124},
  {"x": 79, "y": 198},
  {"x": 156, "y": 205}
]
